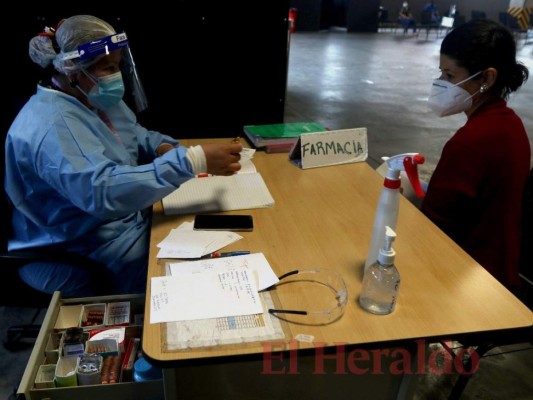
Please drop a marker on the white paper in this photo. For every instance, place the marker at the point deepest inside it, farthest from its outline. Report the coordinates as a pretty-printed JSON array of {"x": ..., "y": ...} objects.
[
  {"x": 184, "y": 242},
  {"x": 211, "y": 294},
  {"x": 247, "y": 166},
  {"x": 219, "y": 193},
  {"x": 256, "y": 262},
  {"x": 226, "y": 330}
]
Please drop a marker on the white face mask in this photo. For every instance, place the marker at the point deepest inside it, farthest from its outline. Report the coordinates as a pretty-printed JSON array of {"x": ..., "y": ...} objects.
[{"x": 448, "y": 98}]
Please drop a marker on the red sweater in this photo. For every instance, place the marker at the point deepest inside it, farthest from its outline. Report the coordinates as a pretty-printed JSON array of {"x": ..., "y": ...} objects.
[{"x": 475, "y": 193}]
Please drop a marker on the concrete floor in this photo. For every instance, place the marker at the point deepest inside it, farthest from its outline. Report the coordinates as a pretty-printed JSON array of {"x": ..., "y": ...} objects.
[{"x": 381, "y": 82}]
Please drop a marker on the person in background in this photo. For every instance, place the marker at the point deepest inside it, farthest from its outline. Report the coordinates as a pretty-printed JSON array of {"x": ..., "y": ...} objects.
[
  {"x": 432, "y": 8},
  {"x": 405, "y": 18},
  {"x": 475, "y": 193},
  {"x": 81, "y": 173}
]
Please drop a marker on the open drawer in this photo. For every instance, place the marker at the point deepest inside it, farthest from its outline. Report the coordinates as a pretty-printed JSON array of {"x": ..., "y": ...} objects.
[{"x": 38, "y": 385}]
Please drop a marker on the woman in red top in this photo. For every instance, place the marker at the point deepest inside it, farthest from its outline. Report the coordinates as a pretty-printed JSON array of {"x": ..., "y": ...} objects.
[{"x": 475, "y": 193}]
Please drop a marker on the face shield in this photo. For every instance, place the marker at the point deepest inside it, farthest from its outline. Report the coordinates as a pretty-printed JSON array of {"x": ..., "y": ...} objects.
[{"x": 96, "y": 49}]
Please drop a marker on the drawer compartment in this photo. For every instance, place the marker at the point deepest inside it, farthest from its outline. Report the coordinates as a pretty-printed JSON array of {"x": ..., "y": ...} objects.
[{"x": 44, "y": 352}]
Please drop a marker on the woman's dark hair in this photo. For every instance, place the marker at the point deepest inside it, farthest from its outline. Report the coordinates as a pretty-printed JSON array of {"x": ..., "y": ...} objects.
[{"x": 480, "y": 44}]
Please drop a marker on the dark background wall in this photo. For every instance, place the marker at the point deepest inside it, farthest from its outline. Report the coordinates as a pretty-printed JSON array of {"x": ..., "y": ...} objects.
[
  {"x": 362, "y": 16},
  {"x": 208, "y": 67},
  {"x": 355, "y": 15},
  {"x": 309, "y": 14},
  {"x": 358, "y": 15}
]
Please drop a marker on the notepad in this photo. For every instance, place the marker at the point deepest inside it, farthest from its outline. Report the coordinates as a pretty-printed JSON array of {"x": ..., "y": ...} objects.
[{"x": 219, "y": 193}]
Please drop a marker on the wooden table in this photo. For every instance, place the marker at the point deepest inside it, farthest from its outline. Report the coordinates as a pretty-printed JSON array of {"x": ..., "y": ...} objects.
[{"x": 323, "y": 218}]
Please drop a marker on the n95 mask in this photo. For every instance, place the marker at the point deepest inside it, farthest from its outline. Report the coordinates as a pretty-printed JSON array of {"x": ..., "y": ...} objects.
[{"x": 448, "y": 98}]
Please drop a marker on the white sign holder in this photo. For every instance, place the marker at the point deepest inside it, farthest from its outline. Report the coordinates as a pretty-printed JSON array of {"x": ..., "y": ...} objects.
[{"x": 321, "y": 149}]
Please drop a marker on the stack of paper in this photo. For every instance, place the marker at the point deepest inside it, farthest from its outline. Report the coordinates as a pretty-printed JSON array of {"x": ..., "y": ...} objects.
[
  {"x": 184, "y": 242},
  {"x": 211, "y": 294},
  {"x": 211, "y": 288},
  {"x": 219, "y": 193}
]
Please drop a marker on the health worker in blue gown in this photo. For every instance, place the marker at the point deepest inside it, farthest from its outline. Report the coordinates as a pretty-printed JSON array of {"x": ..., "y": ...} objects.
[{"x": 81, "y": 173}]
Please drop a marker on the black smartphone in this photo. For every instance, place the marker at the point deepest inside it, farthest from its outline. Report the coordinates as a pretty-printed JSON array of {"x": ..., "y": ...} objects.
[{"x": 223, "y": 222}]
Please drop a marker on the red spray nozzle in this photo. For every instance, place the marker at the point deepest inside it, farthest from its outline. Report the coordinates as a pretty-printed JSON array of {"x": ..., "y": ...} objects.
[
  {"x": 410, "y": 164},
  {"x": 407, "y": 162}
]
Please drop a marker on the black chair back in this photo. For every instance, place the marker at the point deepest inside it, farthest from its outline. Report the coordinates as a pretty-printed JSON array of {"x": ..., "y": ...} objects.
[
  {"x": 526, "y": 266},
  {"x": 9, "y": 265},
  {"x": 425, "y": 18},
  {"x": 11, "y": 261}
]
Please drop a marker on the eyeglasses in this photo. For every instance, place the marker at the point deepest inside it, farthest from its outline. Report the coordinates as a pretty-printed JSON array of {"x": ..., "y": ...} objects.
[{"x": 325, "y": 282}]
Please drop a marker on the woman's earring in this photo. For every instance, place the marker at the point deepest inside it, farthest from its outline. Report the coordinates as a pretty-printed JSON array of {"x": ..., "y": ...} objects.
[{"x": 483, "y": 88}]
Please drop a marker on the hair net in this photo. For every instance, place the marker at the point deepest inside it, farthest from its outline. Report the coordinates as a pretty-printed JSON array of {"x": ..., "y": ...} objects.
[
  {"x": 41, "y": 49},
  {"x": 71, "y": 33}
]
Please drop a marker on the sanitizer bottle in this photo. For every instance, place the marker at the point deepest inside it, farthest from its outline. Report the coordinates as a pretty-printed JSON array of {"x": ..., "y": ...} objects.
[
  {"x": 389, "y": 200},
  {"x": 381, "y": 281}
]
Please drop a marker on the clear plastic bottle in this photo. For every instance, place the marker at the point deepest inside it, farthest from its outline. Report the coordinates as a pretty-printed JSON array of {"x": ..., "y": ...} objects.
[
  {"x": 389, "y": 200},
  {"x": 386, "y": 215},
  {"x": 381, "y": 280}
]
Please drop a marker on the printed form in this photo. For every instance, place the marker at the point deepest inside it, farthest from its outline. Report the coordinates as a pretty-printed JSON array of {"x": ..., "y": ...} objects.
[
  {"x": 211, "y": 294},
  {"x": 235, "y": 328}
]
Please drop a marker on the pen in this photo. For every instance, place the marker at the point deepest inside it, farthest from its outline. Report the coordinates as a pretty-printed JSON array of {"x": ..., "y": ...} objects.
[{"x": 217, "y": 254}]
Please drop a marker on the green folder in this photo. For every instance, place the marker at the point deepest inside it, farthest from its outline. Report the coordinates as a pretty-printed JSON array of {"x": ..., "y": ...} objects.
[{"x": 288, "y": 130}]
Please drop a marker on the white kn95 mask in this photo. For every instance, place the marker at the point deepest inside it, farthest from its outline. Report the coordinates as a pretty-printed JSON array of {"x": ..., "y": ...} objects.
[{"x": 448, "y": 98}]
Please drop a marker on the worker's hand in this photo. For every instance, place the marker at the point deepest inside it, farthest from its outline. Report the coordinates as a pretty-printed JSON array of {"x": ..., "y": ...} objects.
[
  {"x": 163, "y": 148},
  {"x": 222, "y": 159}
]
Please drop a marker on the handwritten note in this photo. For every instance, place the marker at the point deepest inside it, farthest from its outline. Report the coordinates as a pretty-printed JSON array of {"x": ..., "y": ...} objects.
[
  {"x": 255, "y": 262},
  {"x": 211, "y": 294},
  {"x": 184, "y": 242}
]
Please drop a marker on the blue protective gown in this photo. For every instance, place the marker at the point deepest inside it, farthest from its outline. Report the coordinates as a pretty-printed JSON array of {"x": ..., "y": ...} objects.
[{"x": 77, "y": 184}]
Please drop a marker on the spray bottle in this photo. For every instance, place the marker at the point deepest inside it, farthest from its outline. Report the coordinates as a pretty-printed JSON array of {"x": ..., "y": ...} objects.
[{"x": 389, "y": 200}]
